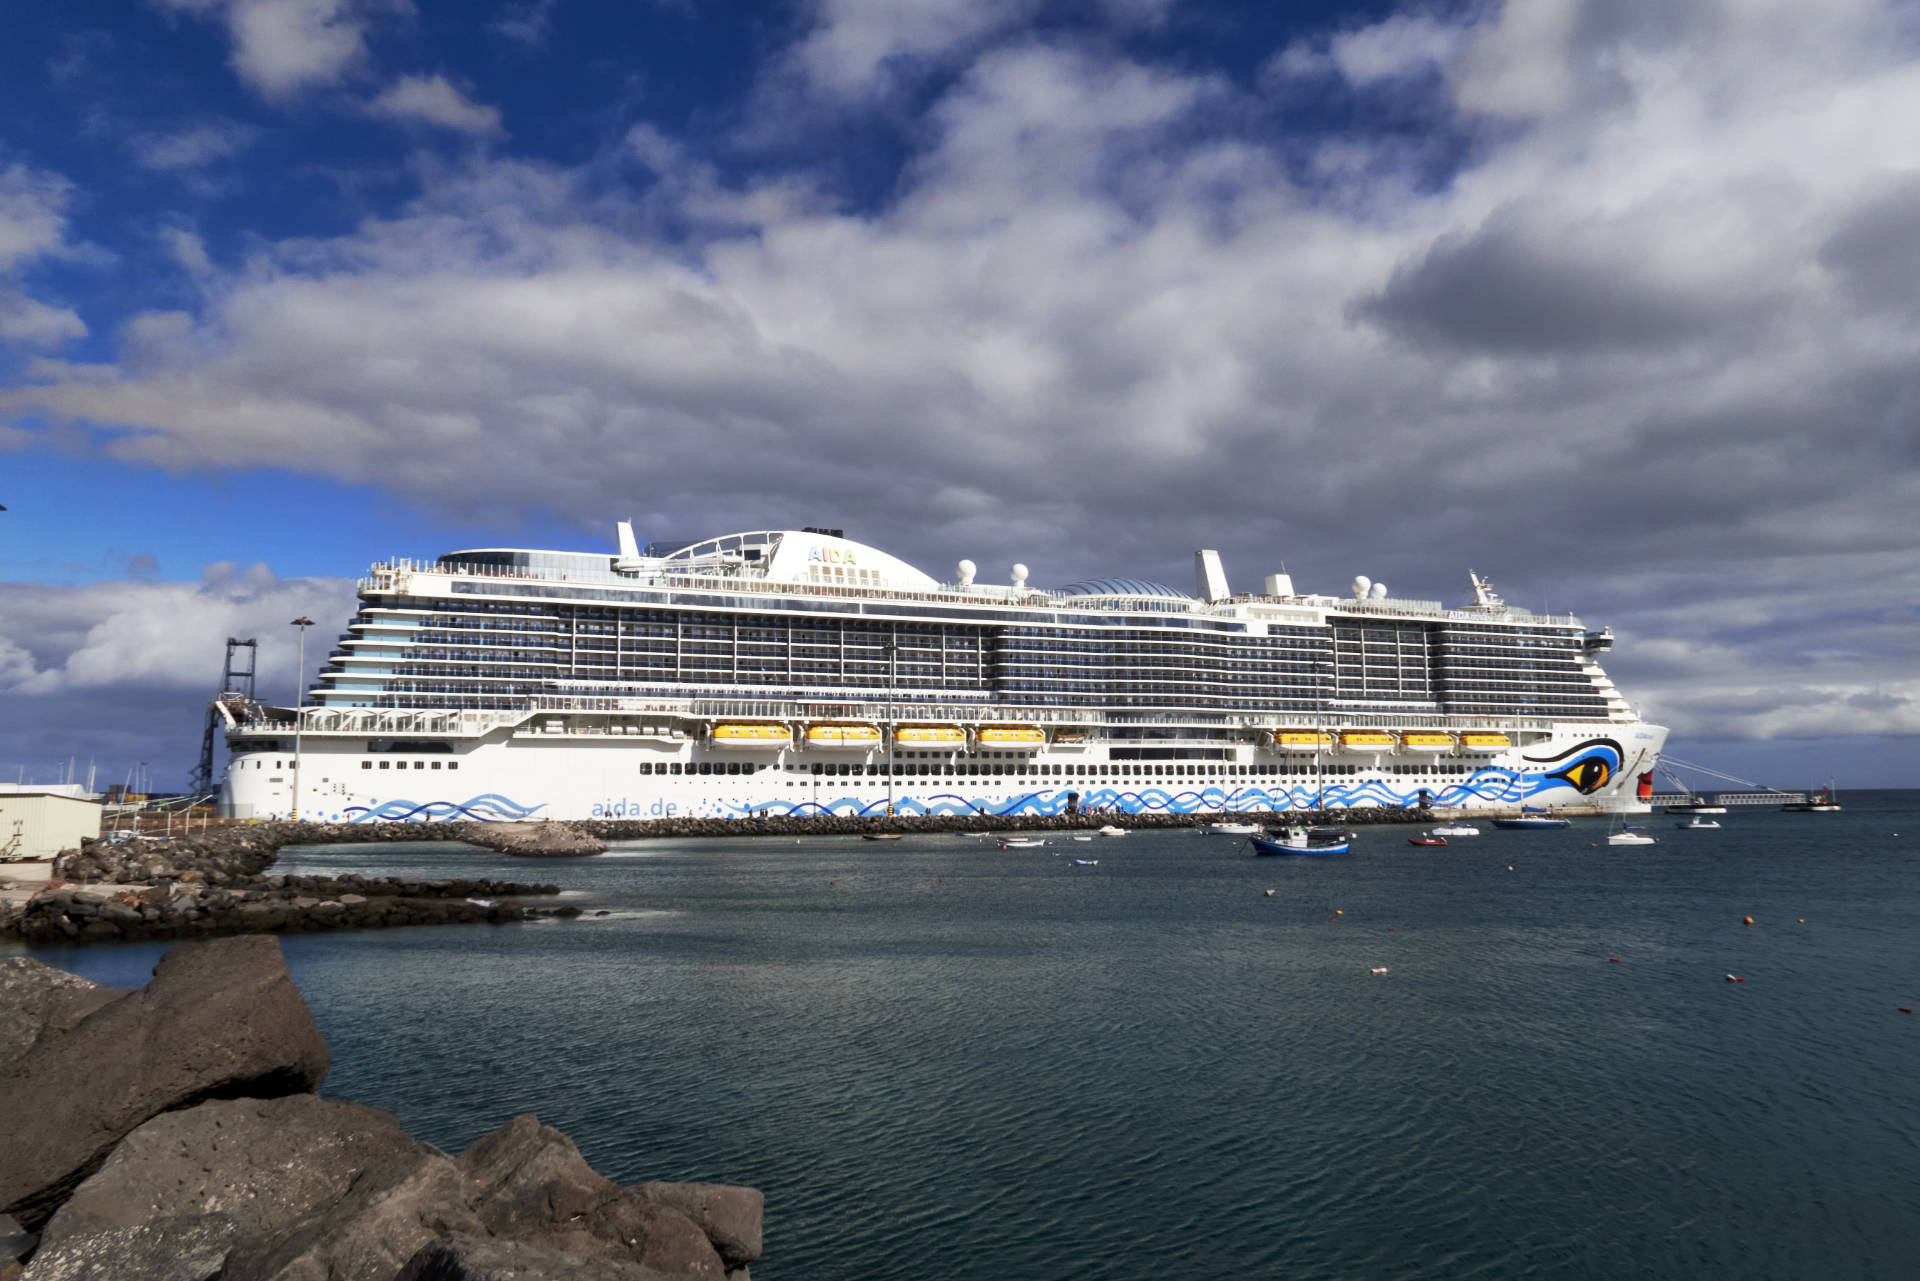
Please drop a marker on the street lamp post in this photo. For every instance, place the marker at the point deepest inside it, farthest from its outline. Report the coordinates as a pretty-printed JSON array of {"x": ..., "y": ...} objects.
[
  {"x": 893, "y": 723},
  {"x": 299, "y": 715}
]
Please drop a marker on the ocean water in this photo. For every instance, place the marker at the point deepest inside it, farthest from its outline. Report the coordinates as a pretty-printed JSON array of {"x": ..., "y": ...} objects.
[{"x": 940, "y": 1059}]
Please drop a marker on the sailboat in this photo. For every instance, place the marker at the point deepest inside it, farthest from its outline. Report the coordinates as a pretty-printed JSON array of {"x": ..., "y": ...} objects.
[{"x": 1627, "y": 834}]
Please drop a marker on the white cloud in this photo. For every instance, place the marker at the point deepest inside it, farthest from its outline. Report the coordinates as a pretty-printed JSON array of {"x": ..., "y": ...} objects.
[
  {"x": 283, "y": 47},
  {"x": 1400, "y": 46},
  {"x": 852, "y": 43},
  {"x": 193, "y": 147},
  {"x": 528, "y": 23},
  {"x": 158, "y": 635},
  {"x": 33, "y": 226},
  {"x": 432, "y": 100},
  {"x": 35, "y": 324}
]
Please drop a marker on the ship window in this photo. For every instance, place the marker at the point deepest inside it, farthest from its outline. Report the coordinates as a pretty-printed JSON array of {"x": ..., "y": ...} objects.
[
  {"x": 436, "y": 765},
  {"x": 453, "y": 764},
  {"x": 385, "y": 764},
  {"x": 366, "y": 764},
  {"x": 674, "y": 768}
]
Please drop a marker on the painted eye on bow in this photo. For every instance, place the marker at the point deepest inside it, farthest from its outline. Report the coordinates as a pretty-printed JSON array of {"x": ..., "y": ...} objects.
[{"x": 1587, "y": 775}]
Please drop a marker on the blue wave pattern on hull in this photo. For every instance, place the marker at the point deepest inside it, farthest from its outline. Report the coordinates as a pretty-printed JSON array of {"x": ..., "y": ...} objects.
[
  {"x": 1499, "y": 787},
  {"x": 488, "y": 808}
]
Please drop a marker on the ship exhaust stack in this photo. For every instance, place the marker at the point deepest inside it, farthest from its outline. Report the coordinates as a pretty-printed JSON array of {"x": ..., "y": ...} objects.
[
  {"x": 1210, "y": 579},
  {"x": 1279, "y": 584},
  {"x": 629, "y": 547}
]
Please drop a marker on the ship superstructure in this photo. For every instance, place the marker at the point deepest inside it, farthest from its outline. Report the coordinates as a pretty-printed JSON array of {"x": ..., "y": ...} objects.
[{"x": 800, "y": 672}]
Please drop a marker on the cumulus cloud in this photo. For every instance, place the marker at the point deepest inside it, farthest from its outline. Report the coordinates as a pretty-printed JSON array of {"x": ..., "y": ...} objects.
[
  {"x": 433, "y": 100},
  {"x": 33, "y": 226},
  {"x": 854, "y": 44},
  {"x": 119, "y": 672},
  {"x": 192, "y": 147},
  {"x": 1652, "y": 317},
  {"x": 527, "y": 24},
  {"x": 282, "y": 47}
]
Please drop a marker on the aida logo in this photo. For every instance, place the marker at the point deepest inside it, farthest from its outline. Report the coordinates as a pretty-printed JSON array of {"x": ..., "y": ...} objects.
[{"x": 831, "y": 556}]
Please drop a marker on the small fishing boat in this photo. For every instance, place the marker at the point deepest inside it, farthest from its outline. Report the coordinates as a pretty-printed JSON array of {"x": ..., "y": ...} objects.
[
  {"x": 1083, "y": 838},
  {"x": 1301, "y": 840},
  {"x": 879, "y": 836},
  {"x": 1455, "y": 829},
  {"x": 1021, "y": 843},
  {"x": 1111, "y": 830},
  {"x": 1629, "y": 835},
  {"x": 1698, "y": 824},
  {"x": 1426, "y": 838},
  {"x": 1823, "y": 801},
  {"x": 1086, "y": 862},
  {"x": 1232, "y": 829}
]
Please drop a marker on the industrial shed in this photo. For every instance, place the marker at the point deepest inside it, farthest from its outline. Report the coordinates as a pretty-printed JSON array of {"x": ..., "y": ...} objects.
[{"x": 41, "y": 824}]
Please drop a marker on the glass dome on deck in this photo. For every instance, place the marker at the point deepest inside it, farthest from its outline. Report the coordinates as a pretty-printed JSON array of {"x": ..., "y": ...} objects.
[{"x": 1122, "y": 587}]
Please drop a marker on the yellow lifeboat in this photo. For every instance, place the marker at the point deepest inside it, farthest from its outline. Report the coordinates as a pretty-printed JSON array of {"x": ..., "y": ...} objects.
[
  {"x": 1302, "y": 740},
  {"x": 1012, "y": 736},
  {"x": 751, "y": 734},
  {"x": 1366, "y": 740},
  {"x": 930, "y": 736},
  {"x": 1418, "y": 740},
  {"x": 843, "y": 735},
  {"x": 1485, "y": 740}
]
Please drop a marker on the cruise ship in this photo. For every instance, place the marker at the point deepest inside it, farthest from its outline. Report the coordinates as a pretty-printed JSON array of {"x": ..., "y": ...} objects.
[{"x": 798, "y": 672}]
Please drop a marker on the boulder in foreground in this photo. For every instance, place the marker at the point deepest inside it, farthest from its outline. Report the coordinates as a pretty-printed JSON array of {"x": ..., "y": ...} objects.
[{"x": 221, "y": 1019}]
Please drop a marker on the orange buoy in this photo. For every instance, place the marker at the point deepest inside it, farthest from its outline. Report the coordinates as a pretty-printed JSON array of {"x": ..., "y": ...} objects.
[
  {"x": 1906, "y": 1009},
  {"x": 1746, "y": 920},
  {"x": 1614, "y": 959}
]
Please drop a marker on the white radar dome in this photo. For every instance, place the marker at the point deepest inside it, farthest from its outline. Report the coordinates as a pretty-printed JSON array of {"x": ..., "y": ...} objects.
[
  {"x": 1379, "y": 591},
  {"x": 1019, "y": 575},
  {"x": 1360, "y": 585},
  {"x": 966, "y": 569}
]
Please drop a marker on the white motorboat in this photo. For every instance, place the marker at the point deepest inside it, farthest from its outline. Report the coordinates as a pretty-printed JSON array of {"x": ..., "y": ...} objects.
[
  {"x": 1111, "y": 830},
  {"x": 1233, "y": 829},
  {"x": 1698, "y": 824},
  {"x": 1629, "y": 835},
  {"x": 1456, "y": 829}
]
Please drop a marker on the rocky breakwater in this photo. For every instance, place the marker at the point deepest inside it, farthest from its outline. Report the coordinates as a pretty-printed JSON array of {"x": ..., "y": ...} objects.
[
  {"x": 172, "y": 1133},
  {"x": 534, "y": 840},
  {"x": 217, "y": 885}
]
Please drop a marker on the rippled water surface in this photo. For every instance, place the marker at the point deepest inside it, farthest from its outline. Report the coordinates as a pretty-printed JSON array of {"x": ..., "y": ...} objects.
[{"x": 940, "y": 1059}]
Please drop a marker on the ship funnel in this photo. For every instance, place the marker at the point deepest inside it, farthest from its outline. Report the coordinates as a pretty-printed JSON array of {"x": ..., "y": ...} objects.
[
  {"x": 629, "y": 548},
  {"x": 1210, "y": 580},
  {"x": 1279, "y": 584}
]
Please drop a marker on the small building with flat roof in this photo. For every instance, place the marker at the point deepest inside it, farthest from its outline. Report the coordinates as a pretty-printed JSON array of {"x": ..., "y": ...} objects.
[{"x": 41, "y": 824}]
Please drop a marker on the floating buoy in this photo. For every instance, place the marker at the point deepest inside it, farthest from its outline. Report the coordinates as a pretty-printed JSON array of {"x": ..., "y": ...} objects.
[
  {"x": 1338, "y": 912},
  {"x": 1746, "y": 920},
  {"x": 1379, "y": 969},
  {"x": 1803, "y": 920},
  {"x": 1614, "y": 959},
  {"x": 1509, "y": 867},
  {"x": 1268, "y": 894},
  {"x": 1906, "y": 1009},
  {"x": 1735, "y": 978}
]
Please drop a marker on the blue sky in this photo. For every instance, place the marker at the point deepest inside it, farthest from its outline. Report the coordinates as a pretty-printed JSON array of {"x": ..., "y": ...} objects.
[{"x": 1615, "y": 302}]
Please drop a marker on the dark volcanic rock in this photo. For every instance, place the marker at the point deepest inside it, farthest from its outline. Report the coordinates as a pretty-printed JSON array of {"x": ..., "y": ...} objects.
[
  {"x": 475, "y": 1258},
  {"x": 37, "y": 1000},
  {"x": 729, "y": 1215},
  {"x": 313, "y": 1187},
  {"x": 531, "y": 1184},
  {"x": 219, "y": 1019},
  {"x": 186, "y": 1248}
]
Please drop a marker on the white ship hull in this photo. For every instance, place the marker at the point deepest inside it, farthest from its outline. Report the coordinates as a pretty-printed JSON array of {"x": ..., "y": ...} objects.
[{"x": 510, "y": 774}]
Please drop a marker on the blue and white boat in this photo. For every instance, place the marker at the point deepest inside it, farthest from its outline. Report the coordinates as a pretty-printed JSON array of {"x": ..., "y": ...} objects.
[
  {"x": 1301, "y": 840},
  {"x": 1530, "y": 819}
]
